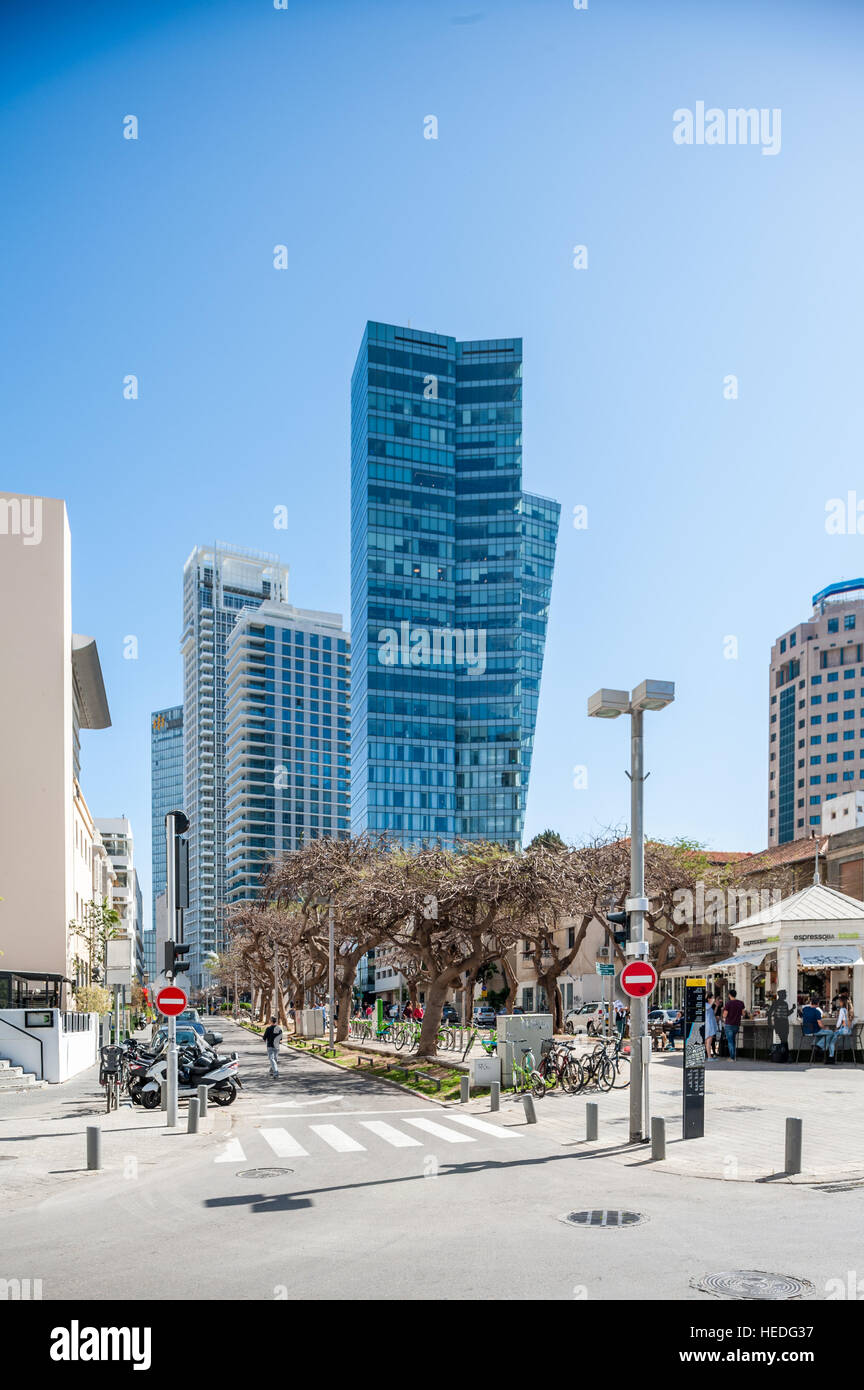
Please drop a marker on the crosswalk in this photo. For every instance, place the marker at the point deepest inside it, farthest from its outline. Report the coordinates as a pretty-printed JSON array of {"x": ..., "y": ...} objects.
[{"x": 369, "y": 1134}]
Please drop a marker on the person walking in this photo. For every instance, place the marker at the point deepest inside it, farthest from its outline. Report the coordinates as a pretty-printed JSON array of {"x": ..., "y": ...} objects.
[
  {"x": 272, "y": 1039},
  {"x": 711, "y": 1029},
  {"x": 732, "y": 1016}
]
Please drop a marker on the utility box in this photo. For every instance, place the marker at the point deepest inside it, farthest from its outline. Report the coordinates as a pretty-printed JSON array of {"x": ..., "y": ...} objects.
[
  {"x": 482, "y": 1071},
  {"x": 521, "y": 1030},
  {"x": 311, "y": 1023}
]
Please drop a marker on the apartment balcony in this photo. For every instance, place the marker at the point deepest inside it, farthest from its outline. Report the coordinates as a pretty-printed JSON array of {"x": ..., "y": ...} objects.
[{"x": 719, "y": 944}]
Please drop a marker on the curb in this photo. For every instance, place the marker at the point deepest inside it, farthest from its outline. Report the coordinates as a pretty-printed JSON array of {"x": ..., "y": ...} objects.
[{"x": 418, "y": 1095}]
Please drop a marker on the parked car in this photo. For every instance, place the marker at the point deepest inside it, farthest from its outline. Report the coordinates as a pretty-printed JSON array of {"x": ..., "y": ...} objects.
[
  {"x": 189, "y": 1016},
  {"x": 585, "y": 1018},
  {"x": 449, "y": 1014},
  {"x": 484, "y": 1015}
]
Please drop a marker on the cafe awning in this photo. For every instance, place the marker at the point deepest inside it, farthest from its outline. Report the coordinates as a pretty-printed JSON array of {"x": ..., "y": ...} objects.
[
  {"x": 743, "y": 958},
  {"x": 821, "y": 956}
]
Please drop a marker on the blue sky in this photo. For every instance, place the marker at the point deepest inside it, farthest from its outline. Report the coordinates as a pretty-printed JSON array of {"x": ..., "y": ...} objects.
[{"x": 706, "y": 516}]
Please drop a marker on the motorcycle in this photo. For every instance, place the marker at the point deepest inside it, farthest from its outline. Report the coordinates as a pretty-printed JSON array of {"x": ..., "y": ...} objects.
[{"x": 194, "y": 1069}]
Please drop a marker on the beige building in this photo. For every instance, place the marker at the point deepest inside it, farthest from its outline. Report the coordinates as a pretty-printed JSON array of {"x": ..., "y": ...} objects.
[
  {"x": 51, "y": 689},
  {"x": 816, "y": 713}
]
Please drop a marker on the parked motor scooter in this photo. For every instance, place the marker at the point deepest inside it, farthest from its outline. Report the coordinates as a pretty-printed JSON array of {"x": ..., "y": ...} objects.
[{"x": 219, "y": 1074}]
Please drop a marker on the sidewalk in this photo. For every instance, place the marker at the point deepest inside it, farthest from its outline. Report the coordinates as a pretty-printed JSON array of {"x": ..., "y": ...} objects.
[{"x": 746, "y": 1107}]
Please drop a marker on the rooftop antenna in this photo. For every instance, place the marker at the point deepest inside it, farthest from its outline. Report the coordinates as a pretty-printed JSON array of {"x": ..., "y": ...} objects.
[{"x": 816, "y": 879}]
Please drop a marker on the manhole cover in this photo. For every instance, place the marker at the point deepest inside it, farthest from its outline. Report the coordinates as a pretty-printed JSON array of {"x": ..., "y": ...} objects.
[
  {"x": 263, "y": 1172},
  {"x": 604, "y": 1217},
  {"x": 753, "y": 1283}
]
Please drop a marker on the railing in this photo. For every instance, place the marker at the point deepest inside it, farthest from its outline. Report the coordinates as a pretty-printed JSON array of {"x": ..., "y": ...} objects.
[
  {"x": 32, "y": 1038},
  {"x": 716, "y": 943}
]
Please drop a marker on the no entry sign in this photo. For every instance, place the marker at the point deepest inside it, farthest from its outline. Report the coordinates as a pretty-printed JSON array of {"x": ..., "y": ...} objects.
[
  {"x": 638, "y": 979},
  {"x": 171, "y": 1001}
]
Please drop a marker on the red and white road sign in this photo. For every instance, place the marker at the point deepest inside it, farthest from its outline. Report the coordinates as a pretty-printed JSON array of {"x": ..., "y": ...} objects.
[
  {"x": 170, "y": 1001},
  {"x": 638, "y": 979}
]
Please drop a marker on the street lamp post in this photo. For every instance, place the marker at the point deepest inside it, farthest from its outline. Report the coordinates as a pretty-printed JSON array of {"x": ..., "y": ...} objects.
[
  {"x": 608, "y": 704},
  {"x": 331, "y": 968}
]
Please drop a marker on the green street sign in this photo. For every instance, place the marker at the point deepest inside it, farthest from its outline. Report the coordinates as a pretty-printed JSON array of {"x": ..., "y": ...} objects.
[{"x": 606, "y": 969}]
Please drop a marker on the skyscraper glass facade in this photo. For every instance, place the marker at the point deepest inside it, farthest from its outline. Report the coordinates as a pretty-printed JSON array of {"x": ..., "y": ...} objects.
[
  {"x": 166, "y": 794},
  {"x": 287, "y": 731},
  {"x": 451, "y": 572},
  {"x": 219, "y": 583}
]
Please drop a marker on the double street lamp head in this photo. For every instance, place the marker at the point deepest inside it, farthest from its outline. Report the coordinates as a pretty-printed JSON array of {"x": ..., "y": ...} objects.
[{"x": 608, "y": 704}]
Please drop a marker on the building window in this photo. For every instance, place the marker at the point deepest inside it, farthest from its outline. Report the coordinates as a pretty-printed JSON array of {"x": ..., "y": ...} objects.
[{"x": 848, "y": 622}]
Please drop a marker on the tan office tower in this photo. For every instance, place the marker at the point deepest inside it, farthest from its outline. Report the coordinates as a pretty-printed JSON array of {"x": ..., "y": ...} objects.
[{"x": 816, "y": 739}]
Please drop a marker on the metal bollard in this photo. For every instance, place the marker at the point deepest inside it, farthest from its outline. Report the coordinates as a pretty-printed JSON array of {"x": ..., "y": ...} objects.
[
  {"x": 464, "y": 1089},
  {"x": 794, "y": 1144},
  {"x": 592, "y": 1120},
  {"x": 164, "y": 1098},
  {"x": 494, "y": 1095},
  {"x": 530, "y": 1112},
  {"x": 94, "y": 1146},
  {"x": 658, "y": 1137},
  {"x": 192, "y": 1121},
  {"x": 202, "y": 1102}
]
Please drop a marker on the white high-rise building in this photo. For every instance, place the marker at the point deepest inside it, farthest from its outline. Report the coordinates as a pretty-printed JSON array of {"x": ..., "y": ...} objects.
[
  {"x": 219, "y": 582},
  {"x": 119, "y": 844}
]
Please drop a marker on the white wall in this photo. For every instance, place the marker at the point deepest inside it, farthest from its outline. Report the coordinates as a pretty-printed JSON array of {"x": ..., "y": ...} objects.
[
  {"x": 63, "y": 1054},
  {"x": 36, "y": 842}
]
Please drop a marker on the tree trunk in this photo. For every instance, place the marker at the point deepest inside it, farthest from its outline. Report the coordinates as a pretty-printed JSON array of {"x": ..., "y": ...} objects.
[
  {"x": 343, "y": 996},
  {"x": 435, "y": 998},
  {"x": 512, "y": 983}
]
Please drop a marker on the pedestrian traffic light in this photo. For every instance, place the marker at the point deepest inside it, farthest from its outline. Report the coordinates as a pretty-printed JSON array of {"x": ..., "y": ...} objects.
[
  {"x": 621, "y": 921},
  {"x": 174, "y": 957}
]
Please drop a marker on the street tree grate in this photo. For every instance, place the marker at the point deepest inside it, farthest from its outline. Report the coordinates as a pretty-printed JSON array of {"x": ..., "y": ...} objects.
[
  {"x": 604, "y": 1216},
  {"x": 264, "y": 1172},
  {"x": 753, "y": 1283}
]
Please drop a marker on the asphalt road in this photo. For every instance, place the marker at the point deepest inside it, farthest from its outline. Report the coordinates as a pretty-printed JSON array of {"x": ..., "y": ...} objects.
[{"x": 368, "y": 1192}]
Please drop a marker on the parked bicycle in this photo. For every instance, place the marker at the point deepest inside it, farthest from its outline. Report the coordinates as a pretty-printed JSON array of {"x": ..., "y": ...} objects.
[{"x": 524, "y": 1074}]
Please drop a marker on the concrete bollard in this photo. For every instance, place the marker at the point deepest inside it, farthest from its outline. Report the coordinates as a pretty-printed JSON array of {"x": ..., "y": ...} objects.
[
  {"x": 494, "y": 1095},
  {"x": 464, "y": 1089},
  {"x": 202, "y": 1102},
  {"x": 592, "y": 1120},
  {"x": 794, "y": 1145},
  {"x": 658, "y": 1137},
  {"x": 192, "y": 1119},
  {"x": 530, "y": 1112},
  {"x": 94, "y": 1146}
]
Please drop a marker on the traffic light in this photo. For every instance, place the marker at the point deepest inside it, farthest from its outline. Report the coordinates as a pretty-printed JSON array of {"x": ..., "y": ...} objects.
[
  {"x": 620, "y": 920},
  {"x": 174, "y": 957}
]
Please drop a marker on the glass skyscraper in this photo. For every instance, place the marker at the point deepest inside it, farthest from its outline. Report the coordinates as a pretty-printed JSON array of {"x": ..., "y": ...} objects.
[
  {"x": 287, "y": 731},
  {"x": 166, "y": 794},
  {"x": 451, "y": 573},
  {"x": 219, "y": 582}
]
